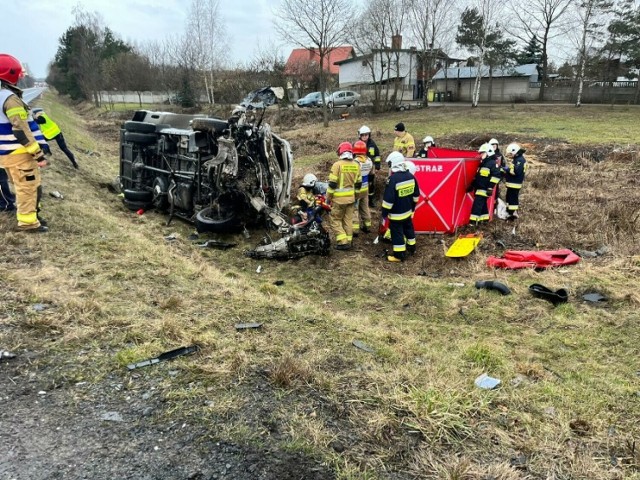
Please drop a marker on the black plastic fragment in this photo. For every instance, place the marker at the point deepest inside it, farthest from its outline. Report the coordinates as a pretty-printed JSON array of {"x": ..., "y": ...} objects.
[
  {"x": 556, "y": 297},
  {"x": 171, "y": 354},
  {"x": 493, "y": 285}
]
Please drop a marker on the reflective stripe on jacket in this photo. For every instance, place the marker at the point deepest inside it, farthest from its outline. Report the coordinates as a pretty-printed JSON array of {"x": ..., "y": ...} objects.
[
  {"x": 365, "y": 168},
  {"x": 9, "y": 143},
  {"x": 400, "y": 196},
  {"x": 515, "y": 175},
  {"x": 344, "y": 176}
]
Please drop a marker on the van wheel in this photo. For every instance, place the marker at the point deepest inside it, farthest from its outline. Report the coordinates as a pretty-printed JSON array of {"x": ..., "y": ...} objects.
[{"x": 214, "y": 220}]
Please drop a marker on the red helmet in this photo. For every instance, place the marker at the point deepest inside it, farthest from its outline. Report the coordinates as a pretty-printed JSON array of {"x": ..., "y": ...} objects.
[
  {"x": 345, "y": 147},
  {"x": 359, "y": 148},
  {"x": 10, "y": 69}
]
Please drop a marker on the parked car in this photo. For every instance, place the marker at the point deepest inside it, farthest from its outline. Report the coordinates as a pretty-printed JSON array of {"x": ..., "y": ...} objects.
[
  {"x": 343, "y": 98},
  {"x": 219, "y": 174},
  {"x": 313, "y": 99}
]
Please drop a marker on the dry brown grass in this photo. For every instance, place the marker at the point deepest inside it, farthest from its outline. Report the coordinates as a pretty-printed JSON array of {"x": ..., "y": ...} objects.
[{"x": 119, "y": 293}]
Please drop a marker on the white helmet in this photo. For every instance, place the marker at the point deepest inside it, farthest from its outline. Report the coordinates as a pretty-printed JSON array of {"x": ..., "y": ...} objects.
[
  {"x": 493, "y": 141},
  {"x": 486, "y": 148},
  {"x": 363, "y": 130},
  {"x": 411, "y": 167},
  {"x": 428, "y": 139},
  {"x": 395, "y": 160},
  {"x": 309, "y": 180},
  {"x": 512, "y": 149}
]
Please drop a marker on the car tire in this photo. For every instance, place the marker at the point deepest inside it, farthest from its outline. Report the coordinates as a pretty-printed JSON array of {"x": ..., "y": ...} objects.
[
  {"x": 137, "y": 195},
  {"x": 355, "y": 103},
  {"x": 139, "y": 127},
  {"x": 140, "y": 138},
  {"x": 208, "y": 223},
  {"x": 134, "y": 205}
]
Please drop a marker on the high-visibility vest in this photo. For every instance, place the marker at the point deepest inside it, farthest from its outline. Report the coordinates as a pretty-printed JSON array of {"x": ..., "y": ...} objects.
[
  {"x": 49, "y": 128},
  {"x": 9, "y": 144}
]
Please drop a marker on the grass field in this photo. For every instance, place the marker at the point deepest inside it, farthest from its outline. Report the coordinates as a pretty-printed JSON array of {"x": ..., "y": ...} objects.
[{"x": 569, "y": 403}]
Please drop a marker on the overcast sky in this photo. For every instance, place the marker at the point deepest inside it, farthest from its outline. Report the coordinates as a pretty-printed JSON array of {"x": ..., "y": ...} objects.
[{"x": 35, "y": 26}]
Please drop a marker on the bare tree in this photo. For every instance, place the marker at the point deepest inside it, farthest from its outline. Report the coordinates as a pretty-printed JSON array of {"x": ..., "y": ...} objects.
[
  {"x": 205, "y": 35},
  {"x": 372, "y": 35},
  {"x": 589, "y": 17},
  {"x": 432, "y": 26},
  {"x": 315, "y": 24},
  {"x": 545, "y": 20}
]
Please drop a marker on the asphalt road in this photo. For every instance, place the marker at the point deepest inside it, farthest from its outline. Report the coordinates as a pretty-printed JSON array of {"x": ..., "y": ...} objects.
[{"x": 31, "y": 94}]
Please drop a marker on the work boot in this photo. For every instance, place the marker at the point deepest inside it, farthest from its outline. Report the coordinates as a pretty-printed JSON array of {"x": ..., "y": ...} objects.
[
  {"x": 343, "y": 246},
  {"x": 365, "y": 229},
  {"x": 411, "y": 249},
  {"x": 40, "y": 229},
  {"x": 393, "y": 258},
  {"x": 42, "y": 221}
]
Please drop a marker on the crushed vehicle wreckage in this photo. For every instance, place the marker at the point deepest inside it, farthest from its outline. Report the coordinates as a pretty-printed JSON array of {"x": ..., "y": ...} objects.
[{"x": 221, "y": 175}]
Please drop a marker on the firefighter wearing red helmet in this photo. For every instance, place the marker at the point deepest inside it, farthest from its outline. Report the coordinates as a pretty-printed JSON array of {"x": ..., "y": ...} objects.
[
  {"x": 20, "y": 145},
  {"x": 361, "y": 213},
  {"x": 344, "y": 180}
]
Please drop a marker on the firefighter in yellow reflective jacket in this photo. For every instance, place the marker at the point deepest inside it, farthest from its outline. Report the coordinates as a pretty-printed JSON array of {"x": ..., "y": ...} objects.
[
  {"x": 51, "y": 131},
  {"x": 21, "y": 145},
  {"x": 345, "y": 178},
  {"x": 403, "y": 142},
  {"x": 361, "y": 213}
]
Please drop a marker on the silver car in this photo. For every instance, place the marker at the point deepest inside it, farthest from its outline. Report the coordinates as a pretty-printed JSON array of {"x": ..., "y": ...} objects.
[{"x": 343, "y": 98}]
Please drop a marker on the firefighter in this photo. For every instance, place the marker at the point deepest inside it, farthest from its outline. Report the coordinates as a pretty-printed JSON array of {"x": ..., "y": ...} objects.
[
  {"x": 514, "y": 177},
  {"x": 361, "y": 213},
  {"x": 487, "y": 177},
  {"x": 403, "y": 142},
  {"x": 345, "y": 178},
  {"x": 427, "y": 142},
  {"x": 21, "y": 144},
  {"x": 305, "y": 198},
  {"x": 500, "y": 162},
  {"x": 364, "y": 134},
  {"x": 398, "y": 204},
  {"x": 51, "y": 131}
]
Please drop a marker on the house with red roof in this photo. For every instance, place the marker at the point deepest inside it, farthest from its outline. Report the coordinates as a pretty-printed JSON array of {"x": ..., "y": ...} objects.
[{"x": 303, "y": 67}]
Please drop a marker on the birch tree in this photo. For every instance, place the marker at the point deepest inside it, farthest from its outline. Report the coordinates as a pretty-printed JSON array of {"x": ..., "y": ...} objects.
[
  {"x": 320, "y": 25},
  {"x": 476, "y": 34},
  {"x": 431, "y": 27},
  {"x": 590, "y": 15},
  {"x": 205, "y": 36}
]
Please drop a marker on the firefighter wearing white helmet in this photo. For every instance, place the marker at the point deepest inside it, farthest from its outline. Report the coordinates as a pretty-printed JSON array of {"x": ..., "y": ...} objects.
[
  {"x": 373, "y": 152},
  {"x": 500, "y": 161},
  {"x": 305, "y": 198},
  {"x": 427, "y": 143},
  {"x": 487, "y": 176},
  {"x": 398, "y": 204},
  {"x": 514, "y": 174}
]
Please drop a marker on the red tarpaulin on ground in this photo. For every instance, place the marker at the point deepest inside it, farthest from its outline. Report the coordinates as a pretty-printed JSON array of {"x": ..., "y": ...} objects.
[
  {"x": 514, "y": 259},
  {"x": 443, "y": 177}
]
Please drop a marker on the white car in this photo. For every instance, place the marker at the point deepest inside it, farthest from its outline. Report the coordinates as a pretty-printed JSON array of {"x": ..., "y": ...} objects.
[{"x": 343, "y": 98}]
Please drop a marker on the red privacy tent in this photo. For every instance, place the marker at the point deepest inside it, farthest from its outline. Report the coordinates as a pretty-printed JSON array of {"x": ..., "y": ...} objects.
[{"x": 443, "y": 177}]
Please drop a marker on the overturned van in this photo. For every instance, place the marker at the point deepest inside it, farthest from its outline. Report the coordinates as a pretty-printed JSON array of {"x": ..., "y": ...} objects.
[{"x": 221, "y": 175}]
